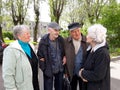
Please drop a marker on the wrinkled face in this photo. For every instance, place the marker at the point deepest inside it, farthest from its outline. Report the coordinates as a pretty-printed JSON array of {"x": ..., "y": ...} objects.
[
  {"x": 89, "y": 39},
  {"x": 53, "y": 33},
  {"x": 75, "y": 34},
  {"x": 24, "y": 36}
]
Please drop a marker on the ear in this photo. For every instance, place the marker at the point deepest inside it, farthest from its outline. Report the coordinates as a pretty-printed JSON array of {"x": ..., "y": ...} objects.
[
  {"x": 49, "y": 30},
  {"x": 19, "y": 36}
]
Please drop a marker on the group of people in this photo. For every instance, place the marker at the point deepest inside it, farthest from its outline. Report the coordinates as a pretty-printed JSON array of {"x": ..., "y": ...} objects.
[{"x": 83, "y": 59}]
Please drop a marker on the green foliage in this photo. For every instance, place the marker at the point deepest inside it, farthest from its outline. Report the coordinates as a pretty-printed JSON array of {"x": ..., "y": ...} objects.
[
  {"x": 64, "y": 33},
  {"x": 8, "y": 34},
  {"x": 84, "y": 30},
  {"x": 34, "y": 43},
  {"x": 56, "y": 8},
  {"x": 8, "y": 41},
  {"x": 111, "y": 20},
  {"x": 114, "y": 51}
]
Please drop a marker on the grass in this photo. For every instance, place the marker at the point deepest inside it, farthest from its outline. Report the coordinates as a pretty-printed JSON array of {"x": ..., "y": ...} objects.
[{"x": 9, "y": 41}]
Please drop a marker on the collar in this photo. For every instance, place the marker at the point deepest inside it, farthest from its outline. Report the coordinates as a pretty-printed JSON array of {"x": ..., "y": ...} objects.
[{"x": 97, "y": 46}]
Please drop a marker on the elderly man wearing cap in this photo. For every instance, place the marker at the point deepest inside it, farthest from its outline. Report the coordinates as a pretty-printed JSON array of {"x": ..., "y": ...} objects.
[
  {"x": 75, "y": 52},
  {"x": 51, "y": 56}
]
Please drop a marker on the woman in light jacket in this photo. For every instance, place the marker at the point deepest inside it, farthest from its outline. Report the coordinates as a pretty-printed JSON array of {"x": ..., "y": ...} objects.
[
  {"x": 20, "y": 64},
  {"x": 96, "y": 70}
]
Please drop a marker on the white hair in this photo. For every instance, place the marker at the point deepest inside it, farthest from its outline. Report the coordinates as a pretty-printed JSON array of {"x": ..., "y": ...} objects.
[
  {"x": 18, "y": 29},
  {"x": 97, "y": 32}
]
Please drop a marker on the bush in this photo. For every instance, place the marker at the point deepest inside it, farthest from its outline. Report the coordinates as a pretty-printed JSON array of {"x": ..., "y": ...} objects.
[
  {"x": 8, "y": 41},
  {"x": 64, "y": 33},
  {"x": 114, "y": 51},
  {"x": 8, "y": 34}
]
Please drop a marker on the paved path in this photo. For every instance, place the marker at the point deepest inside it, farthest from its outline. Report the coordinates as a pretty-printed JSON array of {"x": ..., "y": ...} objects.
[
  {"x": 115, "y": 75},
  {"x": 1, "y": 80}
]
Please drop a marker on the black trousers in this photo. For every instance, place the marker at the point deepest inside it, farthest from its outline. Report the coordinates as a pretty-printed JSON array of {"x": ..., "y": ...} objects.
[
  {"x": 74, "y": 82},
  {"x": 57, "y": 79}
]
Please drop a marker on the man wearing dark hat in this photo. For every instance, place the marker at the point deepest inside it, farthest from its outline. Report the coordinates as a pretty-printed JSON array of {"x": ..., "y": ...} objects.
[
  {"x": 51, "y": 56},
  {"x": 75, "y": 51}
]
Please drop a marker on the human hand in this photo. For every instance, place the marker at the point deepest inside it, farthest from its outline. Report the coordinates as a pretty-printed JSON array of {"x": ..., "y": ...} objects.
[
  {"x": 64, "y": 60},
  {"x": 84, "y": 80},
  {"x": 42, "y": 59},
  {"x": 80, "y": 73},
  {"x": 66, "y": 75}
]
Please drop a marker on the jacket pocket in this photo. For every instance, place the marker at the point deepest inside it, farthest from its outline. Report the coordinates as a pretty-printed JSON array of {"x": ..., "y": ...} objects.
[{"x": 19, "y": 76}]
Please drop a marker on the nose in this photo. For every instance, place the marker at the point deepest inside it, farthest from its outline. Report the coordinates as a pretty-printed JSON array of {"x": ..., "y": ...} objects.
[
  {"x": 57, "y": 31},
  {"x": 29, "y": 35}
]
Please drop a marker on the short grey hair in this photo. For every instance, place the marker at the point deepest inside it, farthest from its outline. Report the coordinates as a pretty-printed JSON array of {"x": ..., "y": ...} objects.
[
  {"x": 97, "y": 32},
  {"x": 17, "y": 30}
]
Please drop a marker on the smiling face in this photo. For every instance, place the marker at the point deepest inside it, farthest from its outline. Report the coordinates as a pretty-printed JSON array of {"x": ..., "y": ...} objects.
[
  {"x": 75, "y": 34},
  {"x": 53, "y": 33},
  {"x": 24, "y": 35}
]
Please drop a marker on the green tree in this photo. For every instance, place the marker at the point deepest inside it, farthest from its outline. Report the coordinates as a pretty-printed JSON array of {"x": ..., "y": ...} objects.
[
  {"x": 73, "y": 11},
  {"x": 93, "y": 9},
  {"x": 85, "y": 12},
  {"x": 18, "y": 10},
  {"x": 37, "y": 13},
  {"x": 111, "y": 20},
  {"x": 56, "y": 8}
]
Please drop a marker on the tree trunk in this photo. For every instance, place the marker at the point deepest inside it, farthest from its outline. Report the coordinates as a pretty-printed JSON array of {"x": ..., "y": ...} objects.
[
  {"x": 37, "y": 13},
  {"x": 36, "y": 28}
]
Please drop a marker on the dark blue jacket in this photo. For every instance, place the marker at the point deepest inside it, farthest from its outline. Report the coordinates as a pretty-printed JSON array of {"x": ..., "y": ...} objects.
[{"x": 43, "y": 52}]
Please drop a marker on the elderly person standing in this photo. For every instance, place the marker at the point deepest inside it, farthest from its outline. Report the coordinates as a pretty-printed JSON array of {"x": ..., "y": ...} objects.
[
  {"x": 96, "y": 70},
  {"x": 20, "y": 64},
  {"x": 75, "y": 51},
  {"x": 51, "y": 55}
]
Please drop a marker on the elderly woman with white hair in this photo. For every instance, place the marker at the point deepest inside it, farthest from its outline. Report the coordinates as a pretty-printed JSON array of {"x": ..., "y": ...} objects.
[
  {"x": 96, "y": 70},
  {"x": 20, "y": 64}
]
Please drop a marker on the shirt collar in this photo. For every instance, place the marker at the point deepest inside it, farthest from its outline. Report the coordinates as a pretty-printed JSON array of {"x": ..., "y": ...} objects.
[{"x": 97, "y": 46}]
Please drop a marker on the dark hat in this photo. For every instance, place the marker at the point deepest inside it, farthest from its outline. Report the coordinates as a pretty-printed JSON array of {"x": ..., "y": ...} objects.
[
  {"x": 73, "y": 26},
  {"x": 54, "y": 25}
]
